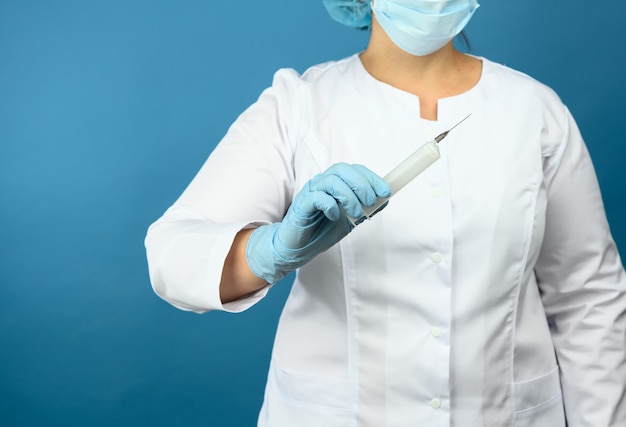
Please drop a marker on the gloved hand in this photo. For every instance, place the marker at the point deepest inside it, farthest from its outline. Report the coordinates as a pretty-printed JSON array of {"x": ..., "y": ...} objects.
[{"x": 315, "y": 221}]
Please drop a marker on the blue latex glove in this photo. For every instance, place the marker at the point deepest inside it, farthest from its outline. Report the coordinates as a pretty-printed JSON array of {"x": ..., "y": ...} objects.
[{"x": 315, "y": 221}]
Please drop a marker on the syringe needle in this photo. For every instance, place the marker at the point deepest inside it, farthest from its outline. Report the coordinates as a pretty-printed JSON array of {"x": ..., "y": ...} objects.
[{"x": 444, "y": 134}]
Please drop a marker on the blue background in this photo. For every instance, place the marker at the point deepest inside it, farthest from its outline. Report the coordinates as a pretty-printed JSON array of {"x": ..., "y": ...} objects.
[{"x": 107, "y": 110}]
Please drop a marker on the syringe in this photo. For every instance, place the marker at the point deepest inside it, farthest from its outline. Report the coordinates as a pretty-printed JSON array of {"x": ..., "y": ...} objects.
[{"x": 406, "y": 171}]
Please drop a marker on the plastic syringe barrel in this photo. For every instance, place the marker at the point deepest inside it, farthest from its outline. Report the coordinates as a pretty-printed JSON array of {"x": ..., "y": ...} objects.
[{"x": 402, "y": 174}]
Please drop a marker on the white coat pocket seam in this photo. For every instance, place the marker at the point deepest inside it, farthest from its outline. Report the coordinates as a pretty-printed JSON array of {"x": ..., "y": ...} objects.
[
  {"x": 530, "y": 395},
  {"x": 533, "y": 409},
  {"x": 337, "y": 410},
  {"x": 320, "y": 393}
]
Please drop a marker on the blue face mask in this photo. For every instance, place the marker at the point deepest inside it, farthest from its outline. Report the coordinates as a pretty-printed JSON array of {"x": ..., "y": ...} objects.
[{"x": 421, "y": 27}]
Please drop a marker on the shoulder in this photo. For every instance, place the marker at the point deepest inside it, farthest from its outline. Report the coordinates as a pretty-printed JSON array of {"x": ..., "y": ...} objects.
[
  {"x": 320, "y": 75},
  {"x": 300, "y": 97},
  {"x": 329, "y": 70},
  {"x": 513, "y": 83},
  {"x": 523, "y": 98}
]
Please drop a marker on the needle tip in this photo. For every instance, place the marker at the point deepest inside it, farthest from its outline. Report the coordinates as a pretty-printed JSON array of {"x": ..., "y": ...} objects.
[{"x": 442, "y": 135}]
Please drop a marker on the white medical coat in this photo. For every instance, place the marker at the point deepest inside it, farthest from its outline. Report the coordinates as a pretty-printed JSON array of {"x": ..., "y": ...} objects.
[{"x": 488, "y": 293}]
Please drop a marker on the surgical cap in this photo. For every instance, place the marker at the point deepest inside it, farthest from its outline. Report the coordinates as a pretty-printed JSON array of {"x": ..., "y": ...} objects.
[{"x": 353, "y": 13}]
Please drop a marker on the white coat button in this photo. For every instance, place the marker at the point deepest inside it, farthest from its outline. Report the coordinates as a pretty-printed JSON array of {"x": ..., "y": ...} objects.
[
  {"x": 435, "y": 403},
  {"x": 436, "y": 257},
  {"x": 436, "y": 193},
  {"x": 435, "y": 332}
]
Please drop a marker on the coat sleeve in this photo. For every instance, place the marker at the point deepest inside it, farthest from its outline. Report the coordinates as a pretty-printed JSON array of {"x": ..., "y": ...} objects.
[
  {"x": 246, "y": 181},
  {"x": 583, "y": 288}
]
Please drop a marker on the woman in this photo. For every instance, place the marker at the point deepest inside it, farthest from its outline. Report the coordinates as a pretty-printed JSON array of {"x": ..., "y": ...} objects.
[{"x": 489, "y": 292}]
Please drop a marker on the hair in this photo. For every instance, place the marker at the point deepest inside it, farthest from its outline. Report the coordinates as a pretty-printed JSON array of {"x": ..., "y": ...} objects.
[{"x": 464, "y": 39}]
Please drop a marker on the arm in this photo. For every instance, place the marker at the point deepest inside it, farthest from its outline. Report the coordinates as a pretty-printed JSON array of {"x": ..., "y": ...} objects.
[
  {"x": 237, "y": 278},
  {"x": 583, "y": 288},
  {"x": 246, "y": 182},
  {"x": 202, "y": 253},
  {"x": 186, "y": 251}
]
